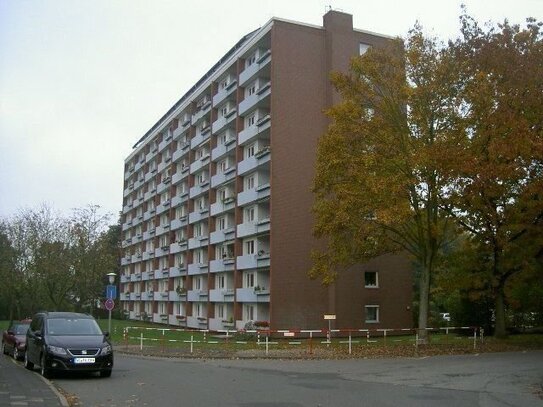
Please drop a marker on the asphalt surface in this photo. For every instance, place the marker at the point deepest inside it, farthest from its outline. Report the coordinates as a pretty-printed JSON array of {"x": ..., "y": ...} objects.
[
  {"x": 21, "y": 387},
  {"x": 485, "y": 380}
]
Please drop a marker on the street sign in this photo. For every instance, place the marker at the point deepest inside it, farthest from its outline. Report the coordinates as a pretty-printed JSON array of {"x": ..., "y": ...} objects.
[
  {"x": 111, "y": 291},
  {"x": 109, "y": 304},
  {"x": 329, "y": 316}
]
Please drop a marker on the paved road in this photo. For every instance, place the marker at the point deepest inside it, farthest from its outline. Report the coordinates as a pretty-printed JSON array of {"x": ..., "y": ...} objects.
[{"x": 504, "y": 379}]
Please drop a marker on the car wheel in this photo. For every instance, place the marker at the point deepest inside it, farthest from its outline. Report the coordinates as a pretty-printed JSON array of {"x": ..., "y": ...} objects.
[
  {"x": 4, "y": 350},
  {"x": 105, "y": 373},
  {"x": 16, "y": 354},
  {"x": 28, "y": 364},
  {"x": 45, "y": 372}
]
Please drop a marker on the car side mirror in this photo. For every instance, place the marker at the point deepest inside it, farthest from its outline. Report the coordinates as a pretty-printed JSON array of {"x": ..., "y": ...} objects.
[
  {"x": 106, "y": 334},
  {"x": 11, "y": 333}
]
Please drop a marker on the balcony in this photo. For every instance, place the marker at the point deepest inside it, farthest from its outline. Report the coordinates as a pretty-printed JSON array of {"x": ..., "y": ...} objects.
[
  {"x": 252, "y": 195},
  {"x": 178, "y": 271},
  {"x": 199, "y": 164},
  {"x": 217, "y": 266},
  {"x": 179, "y": 199},
  {"x": 223, "y": 206},
  {"x": 164, "y": 206},
  {"x": 197, "y": 268},
  {"x": 258, "y": 99},
  {"x": 161, "y": 296},
  {"x": 221, "y": 295},
  {"x": 181, "y": 128},
  {"x": 252, "y": 228},
  {"x": 201, "y": 113},
  {"x": 180, "y": 175},
  {"x": 251, "y": 72},
  {"x": 197, "y": 242},
  {"x": 198, "y": 215},
  {"x": 221, "y": 122},
  {"x": 197, "y": 295},
  {"x": 228, "y": 175},
  {"x": 222, "y": 149},
  {"x": 220, "y": 236},
  {"x": 201, "y": 137},
  {"x": 178, "y": 223},
  {"x": 224, "y": 93},
  {"x": 252, "y": 294},
  {"x": 199, "y": 189},
  {"x": 260, "y": 158},
  {"x": 261, "y": 128},
  {"x": 252, "y": 261}
]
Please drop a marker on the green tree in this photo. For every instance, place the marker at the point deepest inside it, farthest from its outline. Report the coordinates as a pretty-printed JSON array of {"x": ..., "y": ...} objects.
[
  {"x": 495, "y": 168},
  {"x": 377, "y": 181}
]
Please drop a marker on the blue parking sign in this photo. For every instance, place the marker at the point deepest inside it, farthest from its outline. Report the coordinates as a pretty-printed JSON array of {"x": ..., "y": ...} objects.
[{"x": 111, "y": 291}]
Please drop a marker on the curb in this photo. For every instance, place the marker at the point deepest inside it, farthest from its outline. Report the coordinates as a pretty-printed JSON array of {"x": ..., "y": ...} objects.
[{"x": 61, "y": 398}]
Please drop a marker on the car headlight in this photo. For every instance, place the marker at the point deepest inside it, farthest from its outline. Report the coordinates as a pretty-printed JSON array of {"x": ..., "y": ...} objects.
[
  {"x": 57, "y": 350},
  {"x": 106, "y": 349}
]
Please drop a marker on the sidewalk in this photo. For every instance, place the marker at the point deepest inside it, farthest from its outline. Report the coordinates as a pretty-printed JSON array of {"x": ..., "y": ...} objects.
[{"x": 21, "y": 387}]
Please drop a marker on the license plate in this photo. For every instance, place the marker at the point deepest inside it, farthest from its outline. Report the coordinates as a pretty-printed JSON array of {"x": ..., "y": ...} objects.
[{"x": 84, "y": 360}]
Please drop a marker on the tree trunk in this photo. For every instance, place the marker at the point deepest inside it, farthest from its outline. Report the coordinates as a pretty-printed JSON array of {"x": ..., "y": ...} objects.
[
  {"x": 424, "y": 300},
  {"x": 500, "y": 327}
]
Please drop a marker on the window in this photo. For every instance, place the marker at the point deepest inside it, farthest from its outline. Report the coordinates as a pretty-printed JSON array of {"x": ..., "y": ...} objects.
[
  {"x": 202, "y": 177},
  {"x": 251, "y": 89},
  {"x": 198, "y": 230},
  {"x": 220, "y": 281},
  {"x": 225, "y": 83},
  {"x": 250, "y": 182},
  {"x": 249, "y": 151},
  {"x": 221, "y": 223},
  {"x": 370, "y": 279},
  {"x": 201, "y": 203},
  {"x": 250, "y": 61},
  {"x": 249, "y": 311},
  {"x": 200, "y": 256},
  {"x": 249, "y": 247},
  {"x": 220, "y": 311},
  {"x": 179, "y": 260},
  {"x": 222, "y": 167},
  {"x": 372, "y": 313},
  {"x": 250, "y": 120},
  {"x": 249, "y": 214},
  {"x": 197, "y": 283},
  {"x": 364, "y": 48},
  {"x": 224, "y": 111}
]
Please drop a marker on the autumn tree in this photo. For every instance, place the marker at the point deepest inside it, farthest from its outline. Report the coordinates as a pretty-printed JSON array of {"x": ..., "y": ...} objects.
[
  {"x": 495, "y": 168},
  {"x": 377, "y": 182}
]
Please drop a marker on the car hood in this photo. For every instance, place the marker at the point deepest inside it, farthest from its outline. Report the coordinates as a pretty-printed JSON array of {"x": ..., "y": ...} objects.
[
  {"x": 20, "y": 338},
  {"x": 73, "y": 341}
]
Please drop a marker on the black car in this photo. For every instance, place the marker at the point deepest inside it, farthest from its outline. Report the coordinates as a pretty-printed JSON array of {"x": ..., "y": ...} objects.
[{"x": 67, "y": 341}]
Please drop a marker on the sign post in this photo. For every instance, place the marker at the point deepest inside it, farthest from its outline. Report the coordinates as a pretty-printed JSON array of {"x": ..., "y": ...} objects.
[
  {"x": 329, "y": 318},
  {"x": 111, "y": 294}
]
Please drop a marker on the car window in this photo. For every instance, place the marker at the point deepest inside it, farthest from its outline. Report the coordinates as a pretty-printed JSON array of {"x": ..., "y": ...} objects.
[
  {"x": 72, "y": 326},
  {"x": 20, "y": 329}
]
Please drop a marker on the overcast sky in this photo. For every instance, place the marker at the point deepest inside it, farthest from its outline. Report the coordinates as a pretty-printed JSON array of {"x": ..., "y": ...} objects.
[{"x": 82, "y": 81}]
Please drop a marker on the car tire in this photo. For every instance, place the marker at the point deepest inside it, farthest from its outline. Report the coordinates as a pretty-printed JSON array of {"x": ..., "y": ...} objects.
[
  {"x": 45, "y": 372},
  {"x": 28, "y": 364},
  {"x": 105, "y": 373},
  {"x": 4, "y": 350}
]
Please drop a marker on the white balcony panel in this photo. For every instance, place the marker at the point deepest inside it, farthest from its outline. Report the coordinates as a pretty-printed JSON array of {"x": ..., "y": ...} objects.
[
  {"x": 252, "y": 163},
  {"x": 221, "y": 122},
  {"x": 180, "y": 176},
  {"x": 178, "y": 271},
  {"x": 223, "y": 149},
  {"x": 199, "y": 164},
  {"x": 198, "y": 215},
  {"x": 220, "y": 207},
  {"x": 224, "y": 93},
  {"x": 179, "y": 199},
  {"x": 197, "y": 242},
  {"x": 201, "y": 138},
  {"x": 252, "y": 261},
  {"x": 253, "y": 195},
  {"x": 250, "y": 133},
  {"x": 257, "y": 99},
  {"x": 200, "y": 114},
  {"x": 181, "y": 151},
  {"x": 197, "y": 268},
  {"x": 217, "y": 266},
  {"x": 173, "y": 296},
  {"x": 178, "y": 223},
  {"x": 199, "y": 189},
  {"x": 219, "y": 179},
  {"x": 252, "y": 71},
  {"x": 220, "y": 236},
  {"x": 253, "y": 228}
]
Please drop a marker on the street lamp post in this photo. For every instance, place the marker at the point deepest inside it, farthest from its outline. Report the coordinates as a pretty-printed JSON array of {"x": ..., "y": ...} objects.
[{"x": 111, "y": 277}]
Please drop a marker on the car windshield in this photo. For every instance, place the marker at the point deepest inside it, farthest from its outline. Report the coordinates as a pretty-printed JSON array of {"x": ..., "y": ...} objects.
[
  {"x": 20, "y": 329},
  {"x": 72, "y": 326}
]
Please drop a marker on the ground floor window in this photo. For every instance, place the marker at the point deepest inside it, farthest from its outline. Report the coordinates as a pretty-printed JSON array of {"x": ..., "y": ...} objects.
[{"x": 372, "y": 313}]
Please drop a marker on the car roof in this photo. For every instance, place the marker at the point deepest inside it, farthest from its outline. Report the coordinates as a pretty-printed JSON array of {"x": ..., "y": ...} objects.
[{"x": 57, "y": 314}]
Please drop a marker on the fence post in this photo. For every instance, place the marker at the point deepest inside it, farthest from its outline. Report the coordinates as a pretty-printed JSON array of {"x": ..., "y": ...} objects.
[
  {"x": 311, "y": 342},
  {"x": 474, "y": 338},
  {"x": 350, "y": 344},
  {"x": 267, "y": 345},
  {"x": 141, "y": 341},
  {"x": 191, "y": 343}
]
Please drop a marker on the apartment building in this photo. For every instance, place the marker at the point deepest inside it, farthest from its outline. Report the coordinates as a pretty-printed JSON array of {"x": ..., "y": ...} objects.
[{"x": 217, "y": 218}]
